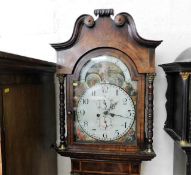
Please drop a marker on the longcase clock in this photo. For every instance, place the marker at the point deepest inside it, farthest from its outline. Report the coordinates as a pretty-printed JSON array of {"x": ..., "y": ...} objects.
[
  {"x": 106, "y": 78},
  {"x": 178, "y": 107}
]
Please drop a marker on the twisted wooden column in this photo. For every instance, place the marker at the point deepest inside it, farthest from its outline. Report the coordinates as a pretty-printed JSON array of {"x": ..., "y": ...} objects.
[
  {"x": 150, "y": 80},
  {"x": 62, "y": 145}
]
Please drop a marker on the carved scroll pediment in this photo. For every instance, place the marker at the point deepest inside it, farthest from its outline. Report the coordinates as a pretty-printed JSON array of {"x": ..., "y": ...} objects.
[{"x": 120, "y": 33}]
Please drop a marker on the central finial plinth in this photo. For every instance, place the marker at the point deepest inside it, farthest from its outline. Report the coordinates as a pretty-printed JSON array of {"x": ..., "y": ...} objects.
[{"x": 104, "y": 12}]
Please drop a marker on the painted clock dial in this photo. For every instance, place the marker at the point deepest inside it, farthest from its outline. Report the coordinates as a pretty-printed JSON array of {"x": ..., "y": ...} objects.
[
  {"x": 105, "y": 102},
  {"x": 105, "y": 112}
]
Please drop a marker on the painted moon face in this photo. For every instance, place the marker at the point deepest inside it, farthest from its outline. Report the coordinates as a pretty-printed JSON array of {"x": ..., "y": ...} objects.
[{"x": 92, "y": 79}]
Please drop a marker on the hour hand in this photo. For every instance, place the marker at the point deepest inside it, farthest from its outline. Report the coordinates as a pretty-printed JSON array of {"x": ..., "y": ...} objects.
[{"x": 112, "y": 115}]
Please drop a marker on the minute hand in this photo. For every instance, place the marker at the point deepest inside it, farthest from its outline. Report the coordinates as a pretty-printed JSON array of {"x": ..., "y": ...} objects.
[{"x": 112, "y": 115}]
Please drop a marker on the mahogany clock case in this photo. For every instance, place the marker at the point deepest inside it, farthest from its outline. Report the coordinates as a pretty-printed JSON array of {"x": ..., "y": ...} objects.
[{"x": 117, "y": 38}]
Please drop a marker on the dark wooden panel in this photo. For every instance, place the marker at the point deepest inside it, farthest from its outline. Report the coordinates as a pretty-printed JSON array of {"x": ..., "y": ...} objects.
[
  {"x": 178, "y": 102},
  {"x": 27, "y": 115},
  {"x": 0, "y": 161},
  {"x": 29, "y": 130},
  {"x": 12, "y": 62},
  {"x": 1, "y": 109},
  {"x": 2, "y": 134},
  {"x": 179, "y": 167},
  {"x": 105, "y": 167}
]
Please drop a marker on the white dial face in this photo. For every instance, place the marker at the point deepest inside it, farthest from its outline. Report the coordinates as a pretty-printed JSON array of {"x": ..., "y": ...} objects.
[{"x": 105, "y": 112}]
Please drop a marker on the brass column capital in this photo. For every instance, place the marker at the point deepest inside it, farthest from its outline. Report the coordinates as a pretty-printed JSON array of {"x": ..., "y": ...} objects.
[{"x": 185, "y": 75}]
